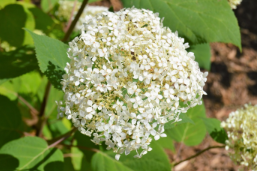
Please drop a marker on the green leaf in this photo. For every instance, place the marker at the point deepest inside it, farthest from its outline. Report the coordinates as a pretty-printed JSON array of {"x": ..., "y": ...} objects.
[
  {"x": 10, "y": 121},
  {"x": 57, "y": 128},
  {"x": 187, "y": 133},
  {"x": 83, "y": 140},
  {"x": 17, "y": 62},
  {"x": 202, "y": 55},
  {"x": 198, "y": 21},
  {"x": 68, "y": 166},
  {"x": 13, "y": 18},
  {"x": 79, "y": 160},
  {"x": 43, "y": 21},
  {"x": 166, "y": 143},
  {"x": 33, "y": 153},
  {"x": 91, "y": 1},
  {"x": 3, "y": 3},
  {"x": 111, "y": 9},
  {"x": 47, "y": 5},
  {"x": 77, "y": 157},
  {"x": 102, "y": 161},
  {"x": 52, "y": 57},
  {"x": 3, "y": 80},
  {"x": 183, "y": 116},
  {"x": 51, "y": 107},
  {"x": 215, "y": 130},
  {"x": 154, "y": 160},
  {"x": 27, "y": 85}
]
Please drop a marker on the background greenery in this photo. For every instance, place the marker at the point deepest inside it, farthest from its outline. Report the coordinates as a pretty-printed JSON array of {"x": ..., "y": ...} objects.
[{"x": 32, "y": 59}]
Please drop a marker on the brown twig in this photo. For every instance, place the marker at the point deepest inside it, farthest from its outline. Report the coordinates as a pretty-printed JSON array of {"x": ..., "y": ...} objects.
[
  {"x": 42, "y": 110},
  {"x": 197, "y": 154},
  {"x": 74, "y": 22},
  {"x": 32, "y": 109},
  {"x": 71, "y": 16},
  {"x": 82, "y": 147},
  {"x": 61, "y": 138}
]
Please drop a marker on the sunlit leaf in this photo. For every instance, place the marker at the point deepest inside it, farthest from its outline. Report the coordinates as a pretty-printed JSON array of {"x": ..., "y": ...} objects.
[
  {"x": 52, "y": 57},
  {"x": 198, "y": 21},
  {"x": 13, "y": 18},
  {"x": 152, "y": 161},
  {"x": 202, "y": 55},
  {"x": 3, "y": 3},
  {"x": 215, "y": 130},
  {"x": 47, "y": 5},
  {"x": 188, "y": 133},
  {"x": 184, "y": 119},
  {"x": 33, "y": 153},
  {"x": 166, "y": 143}
]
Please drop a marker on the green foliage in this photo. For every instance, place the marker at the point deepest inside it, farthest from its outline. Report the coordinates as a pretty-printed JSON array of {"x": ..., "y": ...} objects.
[
  {"x": 33, "y": 153},
  {"x": 13, "y": 18},
  {"x": 81, "y": 141},
  {"x": 43, "y": 21},
  {"x": 3, "y": 3},
  {"x": 52, "y": 57},
  {"x": 183, "y": 116},
  {"x": 90, "y": 1},
  {"x": 17, "y": 62},
  {"x": 10, "y": 121},
  {"x": 79, "y": 160},
  {"x": 166, "y": 143},
  {"x": 27, "y": 84},
  {"x": 152, "y": 161},
  {"x": 47, "y": 5},
  {"x": 202, "y": 55},
  {"x": 198, "y": 21},
  {"x": 215, "y": 130},
  {"x": 102, "y": 161},
  {"x": 51, "y": 107},
  {"x": 188, "y": 133}
]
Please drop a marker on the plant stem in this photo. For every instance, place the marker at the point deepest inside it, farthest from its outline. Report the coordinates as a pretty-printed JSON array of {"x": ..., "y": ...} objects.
[
  {"x": 32, "y": 109},
  {"x": 61, "y": 138},
  {"x": 42, "y": 110},
  {"x": 71, "y": 16},
  {"x": 74, "y": 22},
  {"x": 82, "y": 147},
  {"x": 197, "y": 154}
]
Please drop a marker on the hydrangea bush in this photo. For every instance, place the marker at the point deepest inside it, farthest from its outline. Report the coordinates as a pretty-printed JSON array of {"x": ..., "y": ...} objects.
[
  {"x": 127, "y": 77},
  {"x": 242, "y": 131},
  {"x": 128, "y": 85}
]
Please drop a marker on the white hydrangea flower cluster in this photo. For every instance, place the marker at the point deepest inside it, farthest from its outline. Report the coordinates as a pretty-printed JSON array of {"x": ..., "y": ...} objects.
[
  {"x": 66, "y": 7},
  {"x": 127, "y": 77},
  {"x": 241, "y": 127},
  {"x": 234, "y": 3}
]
